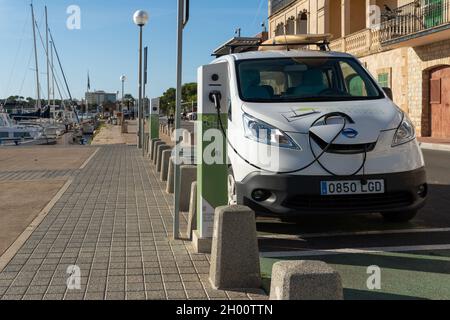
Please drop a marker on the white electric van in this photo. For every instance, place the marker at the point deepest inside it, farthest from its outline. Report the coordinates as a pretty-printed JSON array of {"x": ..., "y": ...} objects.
[{"x": 311, "y": 132}]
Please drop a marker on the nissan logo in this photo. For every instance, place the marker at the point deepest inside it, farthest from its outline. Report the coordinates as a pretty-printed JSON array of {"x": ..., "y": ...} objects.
[{"x": 350, "y": 133}]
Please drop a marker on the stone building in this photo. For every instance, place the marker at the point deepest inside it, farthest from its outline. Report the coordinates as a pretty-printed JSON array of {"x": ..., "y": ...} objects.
[{"x": 405, "y": 44}]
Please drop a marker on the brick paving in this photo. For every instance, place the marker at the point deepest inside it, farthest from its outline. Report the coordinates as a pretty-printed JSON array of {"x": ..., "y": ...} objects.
[
  {"x": 113, "y": 222},
  {"x": 36, "y": 174}
]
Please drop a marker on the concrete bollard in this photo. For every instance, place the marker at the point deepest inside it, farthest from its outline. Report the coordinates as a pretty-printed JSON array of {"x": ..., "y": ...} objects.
[
  {"x": 192, "y": 218},
  {"x": 192, "y": 139},
  {"x": 159, "y": 153},
  {"x": 186, "y": 138},
  {"x": 146, "y": 140},
  {"x": 165, "y": 164},
  {"x": 188, "y": 154},
  {"x": 150, "y": 146},
  {"x": 152, "y": 149},
  {"x": 305, "y": 280},
  {"x": 171, "y": 176},
  {"x": 234, "y": 254},
  {"x": 155, "y": 154},
  {"x": 188, "y": 174}
]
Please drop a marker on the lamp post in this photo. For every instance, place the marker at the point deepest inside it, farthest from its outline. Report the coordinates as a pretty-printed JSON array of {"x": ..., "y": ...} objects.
[
  {"x": 140, "y": 18},
  {"x": 122, "y": 78}
]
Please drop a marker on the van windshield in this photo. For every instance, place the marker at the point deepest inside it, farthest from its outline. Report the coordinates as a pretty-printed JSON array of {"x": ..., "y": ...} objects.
[{"x": 304, "y": 79}]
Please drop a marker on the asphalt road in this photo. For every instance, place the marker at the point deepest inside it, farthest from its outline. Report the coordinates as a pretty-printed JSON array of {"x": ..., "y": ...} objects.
[
  {"x": 413, "y": 258},
  {"x": 430, "y": 227}
]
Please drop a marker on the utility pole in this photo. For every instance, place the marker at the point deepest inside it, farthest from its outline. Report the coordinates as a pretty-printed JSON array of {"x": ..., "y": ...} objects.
[
  {"x": 183, "y": 18},
  {"x": 140, "y": 19},
  {"x": 140, "y": 105},
  {"x": 145, "y": 101}
]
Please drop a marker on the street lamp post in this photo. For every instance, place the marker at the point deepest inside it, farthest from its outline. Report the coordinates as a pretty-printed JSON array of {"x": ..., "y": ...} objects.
[
  {"x": 122, "y": 78},
  {"x": 140, "y": 18}
]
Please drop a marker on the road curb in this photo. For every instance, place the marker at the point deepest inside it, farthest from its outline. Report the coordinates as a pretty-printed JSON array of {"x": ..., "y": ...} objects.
[{"x": 435, "y": 146}]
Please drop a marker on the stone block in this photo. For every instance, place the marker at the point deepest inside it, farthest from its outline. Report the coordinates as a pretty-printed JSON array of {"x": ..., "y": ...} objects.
[
  {"x": 235, "y": 254},
  {"x": 305, "y": 280}
]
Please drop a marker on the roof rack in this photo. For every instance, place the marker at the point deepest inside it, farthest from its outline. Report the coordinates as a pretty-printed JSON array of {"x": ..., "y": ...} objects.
[
  {"x": 289, "y": 42},
  {"x": 237, "y": 45}
]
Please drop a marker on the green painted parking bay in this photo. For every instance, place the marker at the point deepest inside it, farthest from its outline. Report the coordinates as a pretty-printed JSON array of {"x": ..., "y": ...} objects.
[{"x": 404, "y": 276}]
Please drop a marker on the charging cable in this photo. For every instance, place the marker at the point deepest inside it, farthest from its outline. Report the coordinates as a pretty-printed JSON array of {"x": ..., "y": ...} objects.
[{"x": 215, "y": 97}]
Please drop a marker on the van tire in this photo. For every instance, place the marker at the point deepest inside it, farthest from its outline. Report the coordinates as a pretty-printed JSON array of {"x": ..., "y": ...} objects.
[{"x": 402, "y": 216}]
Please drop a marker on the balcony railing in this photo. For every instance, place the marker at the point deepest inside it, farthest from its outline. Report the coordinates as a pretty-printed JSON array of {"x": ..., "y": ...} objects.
[
  {"x": 359, "y": 43},
  {"x": 277, "y": 5},
  {"x": 417, "y": 16}
]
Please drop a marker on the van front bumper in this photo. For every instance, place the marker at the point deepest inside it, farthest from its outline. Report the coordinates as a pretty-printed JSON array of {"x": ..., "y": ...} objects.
[{"x": 296, "y": 194}]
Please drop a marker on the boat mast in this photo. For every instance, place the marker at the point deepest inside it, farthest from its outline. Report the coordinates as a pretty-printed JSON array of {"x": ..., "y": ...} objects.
[
  {"x": 53, "y": 76},
  {"x": 64, "y": 76},
  {"x": 36, "y": 59},
  {"x": 47, "y": 54},
  {"x": 87, "y": 94}
]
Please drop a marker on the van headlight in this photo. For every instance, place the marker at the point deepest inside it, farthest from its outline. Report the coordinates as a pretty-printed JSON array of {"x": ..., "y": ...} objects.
[
  {"x": 262, "y": 132},
  {"x": 405, "y": 132}
]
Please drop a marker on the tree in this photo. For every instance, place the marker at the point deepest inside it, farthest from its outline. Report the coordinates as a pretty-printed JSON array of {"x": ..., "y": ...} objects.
[
  {"x": 128, "y": 101},
  {"x": 188, "y": 93},
  {"x": 167, "y": 101},
  {"x": 30, "y": 101}
]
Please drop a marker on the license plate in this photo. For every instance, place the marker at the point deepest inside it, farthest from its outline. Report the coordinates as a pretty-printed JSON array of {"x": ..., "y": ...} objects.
[{"x": 331, "y": 188}]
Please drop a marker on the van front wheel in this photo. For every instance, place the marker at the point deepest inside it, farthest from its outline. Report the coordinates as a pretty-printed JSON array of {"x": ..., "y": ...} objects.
[{"x": 402, "y": 216}]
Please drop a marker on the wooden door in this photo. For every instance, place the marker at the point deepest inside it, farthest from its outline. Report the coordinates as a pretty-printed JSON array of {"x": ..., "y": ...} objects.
[{"x": 440, "y": 103}]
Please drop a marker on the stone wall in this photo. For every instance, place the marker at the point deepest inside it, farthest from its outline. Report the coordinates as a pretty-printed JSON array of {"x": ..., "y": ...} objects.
[
  {"x": 422, "y": 60},
  {"x": 410, "y": 69},
  {"x": 396, "y": 64}
]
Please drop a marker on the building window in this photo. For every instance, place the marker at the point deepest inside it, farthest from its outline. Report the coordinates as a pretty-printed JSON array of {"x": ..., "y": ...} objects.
[
  {"x": 302, "y": 23},
  {"x": 434, "y": 10},
  {"x": 290, "y": 26},
  {"x": 384, "y": 79},
  {"x": 279, "y": 30}
]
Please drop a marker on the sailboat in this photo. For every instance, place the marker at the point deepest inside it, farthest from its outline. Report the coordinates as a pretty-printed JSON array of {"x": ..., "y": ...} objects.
[
  {"x": 47, "y": 111},
  {"x": 22, "y": 134}
]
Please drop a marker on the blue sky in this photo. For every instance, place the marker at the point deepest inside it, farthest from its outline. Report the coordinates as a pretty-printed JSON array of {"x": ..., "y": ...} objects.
[{"x": 106, "y": 44}]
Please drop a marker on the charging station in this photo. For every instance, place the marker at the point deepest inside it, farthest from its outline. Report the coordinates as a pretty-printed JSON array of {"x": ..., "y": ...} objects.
[
  {"x": 211, "y": 177},
  {"x": 154, "y": 119}
]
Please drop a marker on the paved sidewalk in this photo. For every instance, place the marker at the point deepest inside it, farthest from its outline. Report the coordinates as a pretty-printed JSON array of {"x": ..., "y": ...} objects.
[
  {"x": 435, "y": 144},
  {"x": 114, "y": 222}
]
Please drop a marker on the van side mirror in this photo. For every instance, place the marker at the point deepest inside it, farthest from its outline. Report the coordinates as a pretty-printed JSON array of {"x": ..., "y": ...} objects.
[{"x": 388, "y": 92}]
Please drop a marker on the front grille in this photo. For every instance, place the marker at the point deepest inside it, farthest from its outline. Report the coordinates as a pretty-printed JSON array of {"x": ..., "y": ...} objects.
[
  {"x": 350, "y": 203},
  {"x": 344, "y": 148}
]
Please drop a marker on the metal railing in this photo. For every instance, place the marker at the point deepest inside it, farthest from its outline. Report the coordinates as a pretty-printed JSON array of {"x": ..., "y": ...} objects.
[
  {"x": 417, "y": 16},
  {"x": 277, "y": 5}
]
